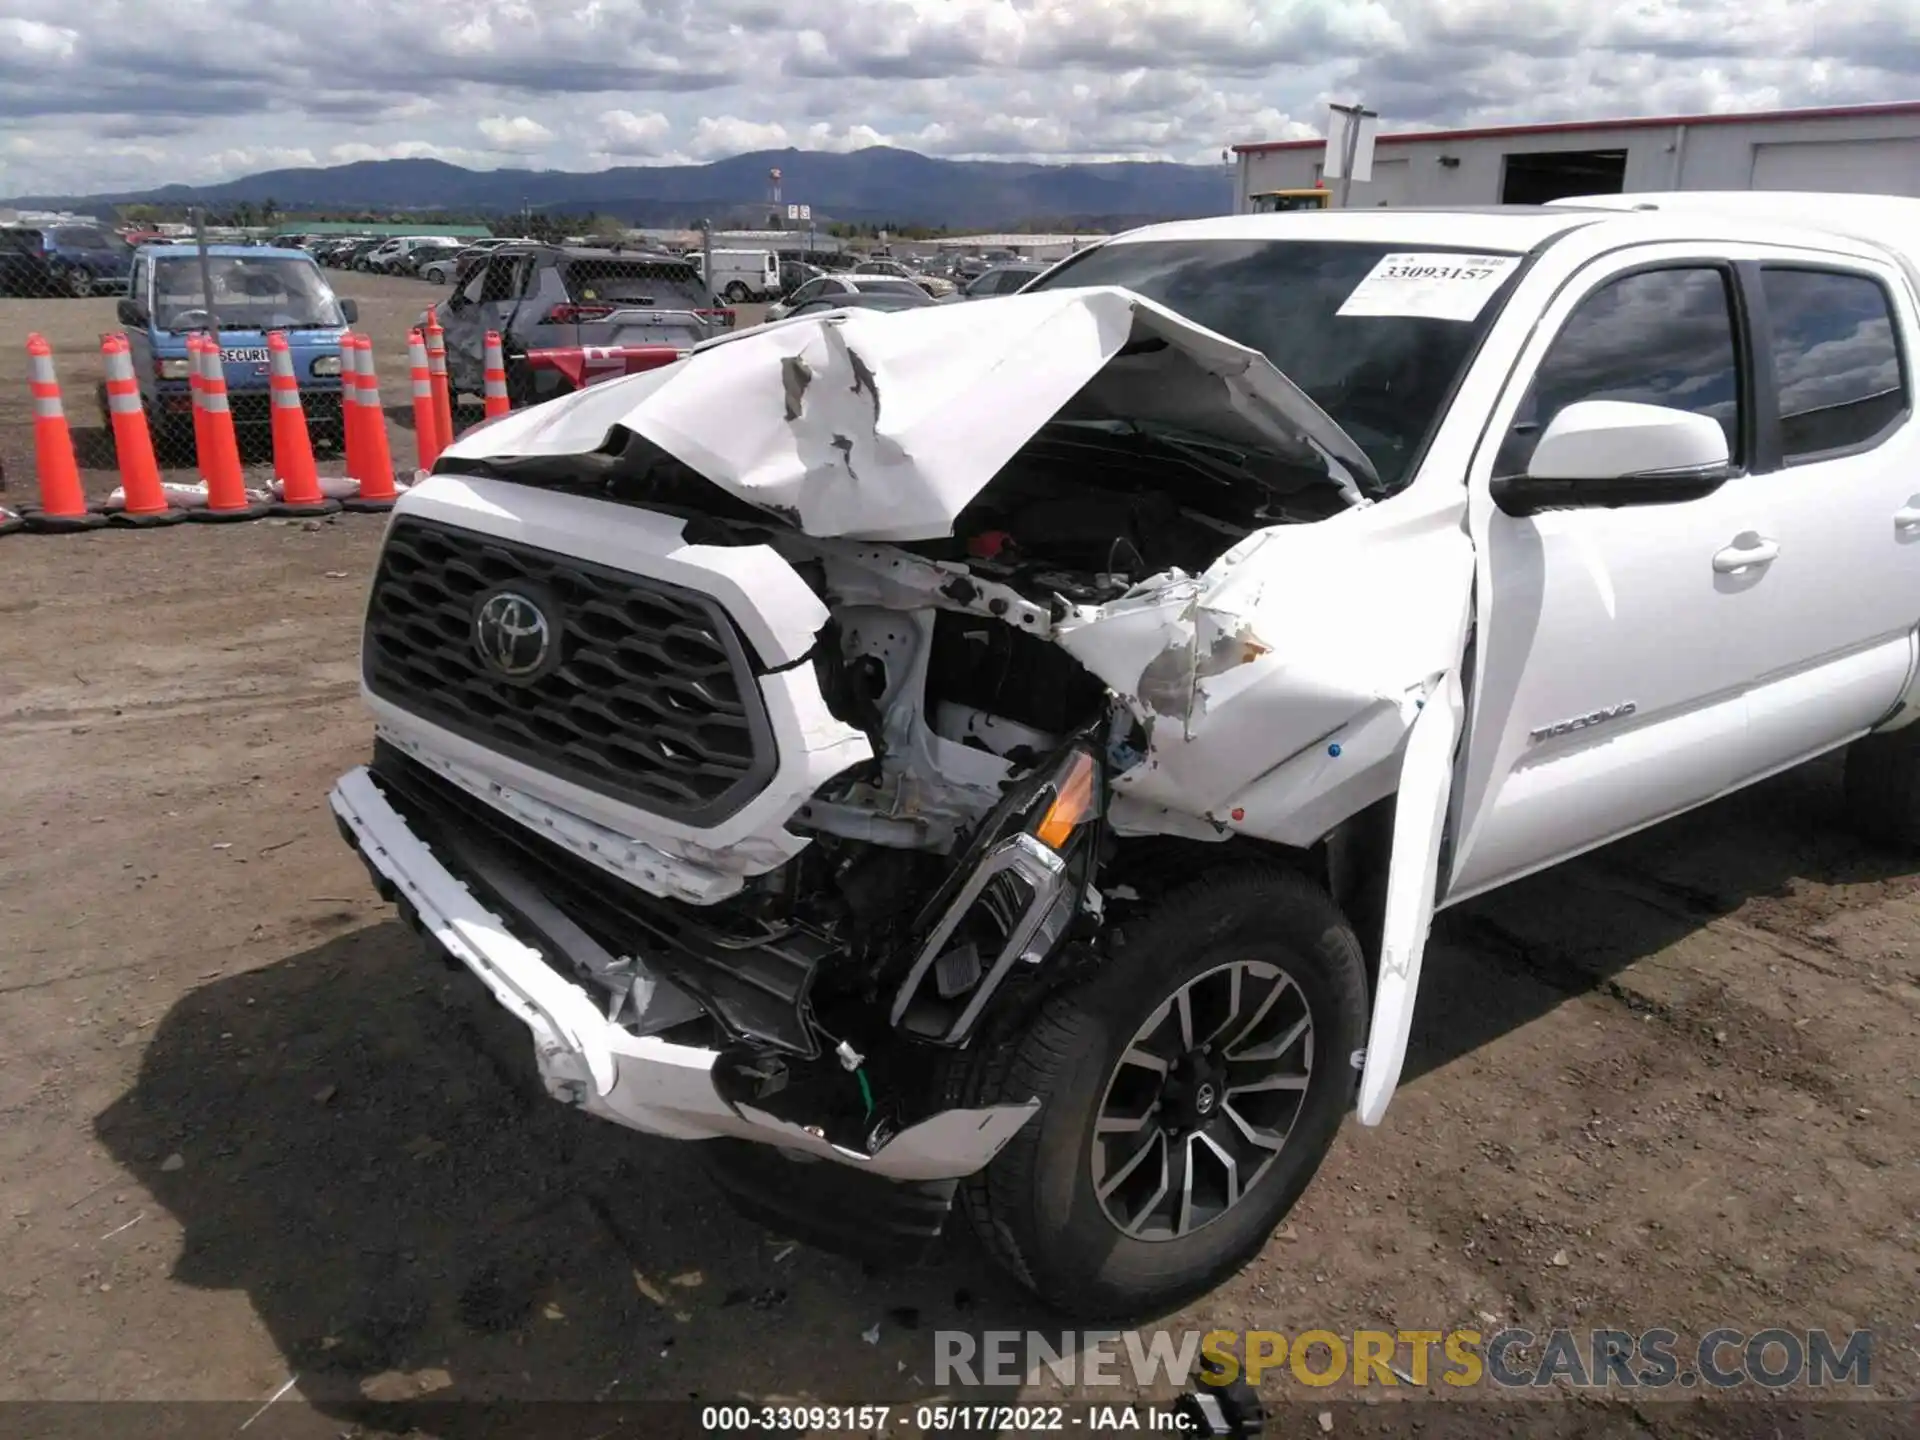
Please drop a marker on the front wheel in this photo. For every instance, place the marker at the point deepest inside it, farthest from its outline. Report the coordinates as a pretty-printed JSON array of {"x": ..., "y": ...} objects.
[
  {"x": 1883, "y": 787},
  {"x": 1189, "y": 1090},
  {"x": 79, "y": 281}
]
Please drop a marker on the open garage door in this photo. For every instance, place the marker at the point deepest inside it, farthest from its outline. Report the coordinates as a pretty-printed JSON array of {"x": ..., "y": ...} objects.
[{"x": 1882, "y": 167}]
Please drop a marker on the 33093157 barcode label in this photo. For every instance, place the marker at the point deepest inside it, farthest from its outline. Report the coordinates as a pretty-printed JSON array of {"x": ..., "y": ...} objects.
[{"x": 1431, "y": 285}]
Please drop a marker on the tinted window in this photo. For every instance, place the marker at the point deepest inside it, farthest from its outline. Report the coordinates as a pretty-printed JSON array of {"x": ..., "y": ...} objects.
[
  {"x": 502, "y": 280},
  {"x": 665, "y": 284},
  {"x": 78, "y": 238},
  {"x": 1659, "y": 337},
  {"x": 1384, "y": 378},
  {"x": 1835, "y": 360}
]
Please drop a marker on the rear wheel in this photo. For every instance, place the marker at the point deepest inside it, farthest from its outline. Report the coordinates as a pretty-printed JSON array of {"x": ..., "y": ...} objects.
[
  {"x": 1883, "y": 787},
  {"x": 1189, "y": 1091},
  {"x": 738, "y": 294}
]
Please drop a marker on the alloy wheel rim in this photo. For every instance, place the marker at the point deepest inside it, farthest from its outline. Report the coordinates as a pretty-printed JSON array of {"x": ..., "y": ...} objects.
[{"x": 1201, "y": 1101}]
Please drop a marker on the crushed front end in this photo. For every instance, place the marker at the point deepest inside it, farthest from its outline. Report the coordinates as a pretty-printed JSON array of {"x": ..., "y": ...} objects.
[{"x": 763, "y": 791}]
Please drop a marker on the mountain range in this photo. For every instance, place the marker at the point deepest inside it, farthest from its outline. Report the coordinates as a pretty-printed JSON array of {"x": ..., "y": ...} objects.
[{"x": 875, "y": 185}]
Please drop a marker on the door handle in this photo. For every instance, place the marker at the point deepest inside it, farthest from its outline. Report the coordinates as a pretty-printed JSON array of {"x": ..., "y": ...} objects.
[
  {"x": 1747, "y": 551},
  {"x": 1907, "y": 517}
]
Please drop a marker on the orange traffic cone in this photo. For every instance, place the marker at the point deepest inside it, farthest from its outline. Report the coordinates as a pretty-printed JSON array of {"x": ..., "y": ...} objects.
[
  {"x": 498, "y": 402},
  {"x": 145, "y": 502},
  {"x": 437, "y": 374},
  {"x": 63, "y": 504},
  {"x": 352, "y": 423},
  {"x": 300, "y": 492},
  {"x": 194, "y": 389},
  {"x": 219, "y": 454},
  {"x": 376, "y": 476},
  {"x": 426, "y": 420}
]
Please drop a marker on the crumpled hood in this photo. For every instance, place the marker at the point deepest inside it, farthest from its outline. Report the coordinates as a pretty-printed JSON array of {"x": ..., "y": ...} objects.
[{"x": 884, "y": 426}]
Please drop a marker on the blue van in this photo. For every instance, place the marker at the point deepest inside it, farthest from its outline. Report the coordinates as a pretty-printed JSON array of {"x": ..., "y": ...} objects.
[{"x": 256, "y": 290}]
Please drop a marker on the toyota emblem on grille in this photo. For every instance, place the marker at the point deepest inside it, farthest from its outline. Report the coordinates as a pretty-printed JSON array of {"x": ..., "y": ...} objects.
[{"x": 512, "y": 634}]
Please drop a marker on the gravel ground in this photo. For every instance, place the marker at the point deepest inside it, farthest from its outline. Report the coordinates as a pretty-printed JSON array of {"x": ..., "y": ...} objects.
[{"x": 250, "y": 1136}]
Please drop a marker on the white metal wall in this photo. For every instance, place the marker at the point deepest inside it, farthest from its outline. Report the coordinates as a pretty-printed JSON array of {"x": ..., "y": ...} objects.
[{"x": 1875, "y": 154}]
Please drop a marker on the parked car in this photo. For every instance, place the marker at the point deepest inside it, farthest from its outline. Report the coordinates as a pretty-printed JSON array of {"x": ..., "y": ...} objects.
[
  {"x": 1002, "y": 280},
  {"x": 354, "y": 256},
  {"x": 543, "y": 297},
  {"x": 1015, "y": 752},
  {"x": 909, "y": 298},
  {"x": 417, "y": 261},
  {"x": 845, "y": 286},
  {"x": 255, "y": 290},
  {"x": 936, "y": 286},
  {"x": 77, "y": 260},
  {"x": 391, "y": 256},
  {"x": 23, "y": 264},
  {"x": 795, "y": 273}
]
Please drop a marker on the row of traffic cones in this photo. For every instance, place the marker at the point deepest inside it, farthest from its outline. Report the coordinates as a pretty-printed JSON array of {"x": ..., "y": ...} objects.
[
  {"x": 433, "y": 394},
  {"x": 146, "y": 501}
]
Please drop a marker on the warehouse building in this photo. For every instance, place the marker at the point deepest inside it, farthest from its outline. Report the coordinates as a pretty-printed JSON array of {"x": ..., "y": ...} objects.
[{"x": 1867, "y": 148}]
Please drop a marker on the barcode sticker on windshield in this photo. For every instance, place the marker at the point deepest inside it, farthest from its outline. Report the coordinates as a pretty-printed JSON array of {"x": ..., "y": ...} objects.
[{"x": 1436, "y": 286}]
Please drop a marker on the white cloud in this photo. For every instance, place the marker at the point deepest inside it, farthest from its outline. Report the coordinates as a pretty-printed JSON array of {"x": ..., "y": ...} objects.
[
  {"x": 593, "y": 82},
  {"x": 522, "y": 134},
  {"x": 730, "y": 135},
  {"x": 624, "y": 133}
]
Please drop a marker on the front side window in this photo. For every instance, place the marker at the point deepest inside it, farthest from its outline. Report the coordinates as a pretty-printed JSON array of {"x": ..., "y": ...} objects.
[
  {"x": 1656, "y": 337},
  {"x": 1836, "y": 363}
]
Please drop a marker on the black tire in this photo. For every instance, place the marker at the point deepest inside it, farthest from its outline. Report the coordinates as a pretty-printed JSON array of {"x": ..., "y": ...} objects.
[
  {"x": 1035, "y": 1206},
  {"x": 79, "y": 282},
  {"x": 1883, "y": 787},
  {"x": 737, "y": 294}
]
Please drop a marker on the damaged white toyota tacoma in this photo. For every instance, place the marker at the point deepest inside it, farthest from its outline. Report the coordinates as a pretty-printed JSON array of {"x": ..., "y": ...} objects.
[{"x": 1010, "y": 754}]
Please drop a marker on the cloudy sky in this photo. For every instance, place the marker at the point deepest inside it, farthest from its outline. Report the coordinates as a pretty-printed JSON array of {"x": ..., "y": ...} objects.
[{"x": 102, "y": 94}]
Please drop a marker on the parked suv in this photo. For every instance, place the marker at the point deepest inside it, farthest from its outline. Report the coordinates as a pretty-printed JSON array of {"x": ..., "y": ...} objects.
[
  {"x": 543, "y": 297},
  {"x": 1013, "y": 753},
  {"x": 77, "y": 260}
]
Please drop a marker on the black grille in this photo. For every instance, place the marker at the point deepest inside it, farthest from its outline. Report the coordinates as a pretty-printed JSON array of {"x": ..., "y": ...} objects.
[{"x": 651, "y": 699}]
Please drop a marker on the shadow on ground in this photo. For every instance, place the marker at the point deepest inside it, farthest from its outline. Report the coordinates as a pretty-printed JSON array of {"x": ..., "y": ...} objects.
[
  {"x": 361, "y": 1150},
  {"x": 1498, "y": 961}
]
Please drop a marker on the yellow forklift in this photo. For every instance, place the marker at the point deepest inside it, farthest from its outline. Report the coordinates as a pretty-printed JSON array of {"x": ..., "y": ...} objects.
[{"x": 1271, "y": 202}]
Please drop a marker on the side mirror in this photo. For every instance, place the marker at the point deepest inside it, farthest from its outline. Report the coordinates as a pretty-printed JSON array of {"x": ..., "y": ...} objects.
[
  {"x": 1615, "y": 452},
  {"x": 131, "y": 313},
  {"x": 350, "y": 311}
]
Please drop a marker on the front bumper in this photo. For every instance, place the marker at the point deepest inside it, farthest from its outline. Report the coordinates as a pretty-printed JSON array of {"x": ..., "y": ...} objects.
[{"x": 642, "y": 1081}]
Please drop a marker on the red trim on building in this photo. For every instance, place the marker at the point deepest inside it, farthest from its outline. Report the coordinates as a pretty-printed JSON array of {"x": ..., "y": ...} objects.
[{"x": 1587, "y": 127}]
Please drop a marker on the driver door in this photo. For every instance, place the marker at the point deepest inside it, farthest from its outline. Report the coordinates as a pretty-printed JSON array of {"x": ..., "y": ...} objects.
[{"x": 1610, "y": 685}]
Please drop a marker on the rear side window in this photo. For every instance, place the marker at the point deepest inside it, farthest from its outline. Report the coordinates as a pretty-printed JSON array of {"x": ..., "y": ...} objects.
[
  {"x": 1656, "y": 337},
  {"x": 634, "y": 282},
  {"x": 81, "y": 239},
  {"x": 1836, "y": 362}
]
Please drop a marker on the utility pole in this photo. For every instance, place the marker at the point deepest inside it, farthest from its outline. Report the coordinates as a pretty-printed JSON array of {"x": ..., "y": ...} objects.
[{"x": 1349, "y": 148}]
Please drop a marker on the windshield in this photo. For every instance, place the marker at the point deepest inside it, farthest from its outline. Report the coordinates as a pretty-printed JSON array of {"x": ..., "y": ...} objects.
[
  {"x": 270, "y": 293},
  {"x": 1384, "y": 378}
]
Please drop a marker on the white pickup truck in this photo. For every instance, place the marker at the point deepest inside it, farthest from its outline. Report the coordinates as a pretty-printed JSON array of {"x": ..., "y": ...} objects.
[{"x": 1013, "y": 752}]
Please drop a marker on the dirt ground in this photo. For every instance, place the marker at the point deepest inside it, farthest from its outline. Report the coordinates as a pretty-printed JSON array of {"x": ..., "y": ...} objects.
[{"x": 252, "y": 1137}]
